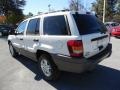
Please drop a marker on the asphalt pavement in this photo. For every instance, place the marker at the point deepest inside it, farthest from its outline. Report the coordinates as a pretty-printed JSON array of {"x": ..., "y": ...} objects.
[{"x": 22, "y": 74}]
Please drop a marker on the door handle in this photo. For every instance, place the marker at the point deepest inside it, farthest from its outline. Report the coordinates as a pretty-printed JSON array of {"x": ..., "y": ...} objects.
[
  {"x": 36, "y": 40},
  {"x": 21, "y": 38}
]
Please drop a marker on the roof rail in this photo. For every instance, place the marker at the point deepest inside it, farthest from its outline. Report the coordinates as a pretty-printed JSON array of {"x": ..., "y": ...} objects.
[
  {"x": 53, "y": 12},
  {"x": 57, "y": 11}
]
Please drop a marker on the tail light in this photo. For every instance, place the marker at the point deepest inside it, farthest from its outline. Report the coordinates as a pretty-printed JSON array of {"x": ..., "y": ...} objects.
[{"x": 75, "y": 48}]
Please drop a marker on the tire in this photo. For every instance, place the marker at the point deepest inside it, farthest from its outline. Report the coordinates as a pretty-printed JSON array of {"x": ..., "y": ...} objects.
[
  {"x": 2, "y": 34},
  {"x": 48, "y": 68},
  {"x": 12, "y": 50}
]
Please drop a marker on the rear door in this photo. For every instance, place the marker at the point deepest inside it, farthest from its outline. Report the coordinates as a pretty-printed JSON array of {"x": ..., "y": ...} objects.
[{"x": 93, "y": 33}]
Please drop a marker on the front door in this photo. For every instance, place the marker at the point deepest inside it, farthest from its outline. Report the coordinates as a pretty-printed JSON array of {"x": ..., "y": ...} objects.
[
  {"x": 18, "y": 41},
  {"x": 32, "y": 37}
]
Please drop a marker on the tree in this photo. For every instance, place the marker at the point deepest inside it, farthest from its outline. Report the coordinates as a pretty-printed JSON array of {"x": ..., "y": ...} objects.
[
  {"x": 111, "y": 8},
  {"x": 12, "y": 9},
  {"x": 117, "y": 7},
  {"x": 20, "y": 3},
  {"x": 117, "y": 15},
  {"x": 75, "y": 5},
  {"x": 15, "y": 17},
  {"x": 30, "y": 14},
  {"x": 10, "y": 5},
  {"x": 39, "y": 13}
]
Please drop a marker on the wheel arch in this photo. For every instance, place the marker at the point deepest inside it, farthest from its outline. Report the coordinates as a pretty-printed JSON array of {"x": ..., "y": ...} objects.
[{"x": 40, "y": 52}]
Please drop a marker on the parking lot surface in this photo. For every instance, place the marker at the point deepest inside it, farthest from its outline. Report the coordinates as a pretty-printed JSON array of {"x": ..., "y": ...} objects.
[{"x": 22, "y": 74}]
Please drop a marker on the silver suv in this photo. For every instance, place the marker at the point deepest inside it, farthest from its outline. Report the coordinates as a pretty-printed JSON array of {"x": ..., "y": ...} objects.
[{"x": 67, "y": 41}]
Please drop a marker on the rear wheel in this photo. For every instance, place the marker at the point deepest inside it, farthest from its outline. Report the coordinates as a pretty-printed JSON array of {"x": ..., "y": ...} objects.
[
  {"x": 12, "y": 50},
  {"x": 48, "y": 68}
]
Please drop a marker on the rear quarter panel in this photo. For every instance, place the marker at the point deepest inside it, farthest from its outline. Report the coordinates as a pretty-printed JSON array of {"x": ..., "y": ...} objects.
[{"x": 56, "y": 44}]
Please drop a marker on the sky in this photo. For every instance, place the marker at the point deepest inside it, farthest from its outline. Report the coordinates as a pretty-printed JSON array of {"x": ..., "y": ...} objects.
[{"x": 35, "y": 6}]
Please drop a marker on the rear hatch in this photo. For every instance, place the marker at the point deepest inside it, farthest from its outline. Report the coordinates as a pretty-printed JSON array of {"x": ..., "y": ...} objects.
[{"x": 93, "y": 33}]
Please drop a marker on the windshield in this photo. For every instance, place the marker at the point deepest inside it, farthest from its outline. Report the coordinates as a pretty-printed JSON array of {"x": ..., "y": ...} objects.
[{"x": 88, "y": 24}]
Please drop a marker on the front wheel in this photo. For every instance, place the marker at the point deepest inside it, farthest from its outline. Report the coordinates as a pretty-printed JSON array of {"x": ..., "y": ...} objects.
[
  {"x": 48, "y": 68},
  {"x": 12, "y": 50}
]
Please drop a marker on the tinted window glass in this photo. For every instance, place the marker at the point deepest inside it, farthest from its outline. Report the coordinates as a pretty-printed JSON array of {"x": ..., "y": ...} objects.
[
  {"x": 106, "y": 24},
  {"x": 55, "y": 25},
  {"x": 88, "y": 24},
  {"x": 33, "y": 27},
  {"x": 21, "y": 27},
  {"x": 37, "y": 27},
  {"x": 115, "y": 24}
]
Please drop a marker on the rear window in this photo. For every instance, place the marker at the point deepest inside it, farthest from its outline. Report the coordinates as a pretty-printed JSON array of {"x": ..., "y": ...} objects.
[{"x": 88, "y": 24}]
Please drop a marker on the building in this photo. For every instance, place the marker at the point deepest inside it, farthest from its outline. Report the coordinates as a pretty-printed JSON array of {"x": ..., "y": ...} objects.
[{"x": 2, "y": 19}]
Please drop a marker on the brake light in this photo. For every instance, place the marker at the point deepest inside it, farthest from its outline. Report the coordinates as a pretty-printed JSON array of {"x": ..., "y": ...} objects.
[{"x": 75, "y": 48}]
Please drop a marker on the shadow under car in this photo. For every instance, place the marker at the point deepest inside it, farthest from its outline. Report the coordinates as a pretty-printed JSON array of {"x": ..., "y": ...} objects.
[{"x": 102, "y": 78}]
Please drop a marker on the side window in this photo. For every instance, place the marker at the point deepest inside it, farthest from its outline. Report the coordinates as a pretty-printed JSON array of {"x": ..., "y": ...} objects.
[
  {"x": 21, "y": 28},
  {"x": 55, "y": 25},
  {"x": 33, "y": 27}
]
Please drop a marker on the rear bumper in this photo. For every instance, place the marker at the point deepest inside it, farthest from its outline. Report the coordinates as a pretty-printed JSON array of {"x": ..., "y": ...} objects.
[{"x": 79, "y": 65}]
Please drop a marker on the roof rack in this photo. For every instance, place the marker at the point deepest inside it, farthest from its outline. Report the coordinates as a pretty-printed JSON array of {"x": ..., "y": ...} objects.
[
  {"x": 57, "y": 11},
  {"x": 53, "y": 12}
]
